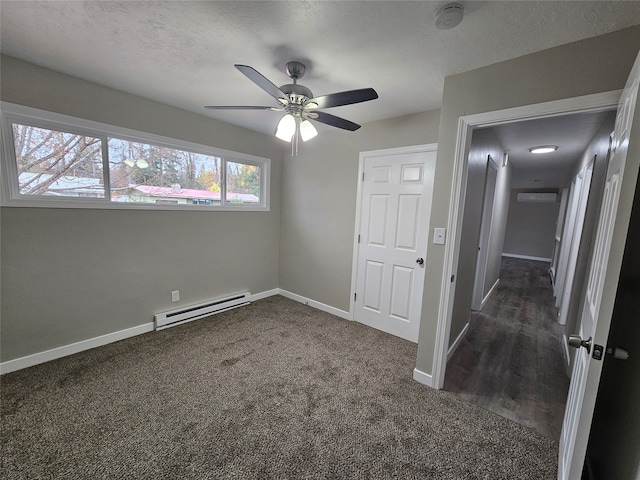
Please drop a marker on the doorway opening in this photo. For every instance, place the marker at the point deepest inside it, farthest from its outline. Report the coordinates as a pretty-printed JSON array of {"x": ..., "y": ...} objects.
[{"x": 506, "y": 347}]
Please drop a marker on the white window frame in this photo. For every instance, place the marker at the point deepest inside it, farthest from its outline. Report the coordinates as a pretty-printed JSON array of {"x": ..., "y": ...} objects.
[{"x": 11, "y": 197}]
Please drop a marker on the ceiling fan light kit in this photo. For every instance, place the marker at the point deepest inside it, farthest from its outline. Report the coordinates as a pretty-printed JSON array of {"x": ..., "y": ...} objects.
[
  {"x": 286, "y": 128},
  {"x": 140, "y": 163},
  {"x": 300, "y": 106},
  {"x": 307, "y": 130}
]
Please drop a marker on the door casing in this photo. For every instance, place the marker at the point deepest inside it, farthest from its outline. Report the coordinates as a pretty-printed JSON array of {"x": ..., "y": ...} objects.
[{"x": 466, "y": 126}]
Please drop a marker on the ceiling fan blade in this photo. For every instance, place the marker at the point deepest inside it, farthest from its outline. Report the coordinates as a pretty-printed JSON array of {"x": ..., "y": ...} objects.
[
  {"x": 332, "y": 120},
  {"x": 262, "y": 81},
  {"x": 243, "y": 107},
  {"x": 344, "y": 98}
]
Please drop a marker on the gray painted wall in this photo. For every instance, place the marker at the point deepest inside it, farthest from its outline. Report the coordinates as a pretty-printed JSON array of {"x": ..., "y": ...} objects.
[
  {"x": 531, "y": 227},
  {"x": 483, "y": 143},
  {"x": 74, "y": 274},
  {"x": 319, "y": 204},
  {"x": 562, "y": 72}
]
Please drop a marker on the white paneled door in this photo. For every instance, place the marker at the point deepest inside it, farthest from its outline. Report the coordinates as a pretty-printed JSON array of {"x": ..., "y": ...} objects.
[
  {"x": 602, "y": 281},
  {"x": 395, "y": 204}
]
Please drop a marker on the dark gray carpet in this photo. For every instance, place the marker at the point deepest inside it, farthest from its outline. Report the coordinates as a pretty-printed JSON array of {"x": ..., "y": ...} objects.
[{"x": 272, "y": 390}]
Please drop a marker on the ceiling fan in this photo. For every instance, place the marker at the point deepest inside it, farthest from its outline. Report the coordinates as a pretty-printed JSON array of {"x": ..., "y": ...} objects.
[{"x": 300, "y": 105}]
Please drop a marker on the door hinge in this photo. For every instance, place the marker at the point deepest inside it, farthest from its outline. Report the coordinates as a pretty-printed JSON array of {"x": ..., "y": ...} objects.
[
  {"x": 358, "y": 238},
  {"x": 354, "y": 296},
  {"x": 363, "y": 176},
  {"x": 453, "y": 277}
]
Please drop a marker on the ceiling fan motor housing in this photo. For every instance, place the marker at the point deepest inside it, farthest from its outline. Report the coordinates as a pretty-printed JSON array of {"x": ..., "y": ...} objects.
[
  {"x": 295, "y": 70},
  {"x": 297, "y": 93}
]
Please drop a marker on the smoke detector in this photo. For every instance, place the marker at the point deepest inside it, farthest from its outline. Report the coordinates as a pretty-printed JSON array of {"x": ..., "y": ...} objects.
[{"x": 449, "y": 16}]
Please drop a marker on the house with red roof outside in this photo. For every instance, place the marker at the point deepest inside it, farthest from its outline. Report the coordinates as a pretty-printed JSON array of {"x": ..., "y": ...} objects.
[{"x": 175, "y": 194}]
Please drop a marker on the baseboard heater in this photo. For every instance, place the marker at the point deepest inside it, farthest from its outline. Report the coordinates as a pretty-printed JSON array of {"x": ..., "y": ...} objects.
[{"x": 193, "y": 312}]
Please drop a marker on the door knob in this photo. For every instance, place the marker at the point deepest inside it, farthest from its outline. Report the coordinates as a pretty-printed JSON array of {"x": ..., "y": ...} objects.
[
  {"x": 420, "y": 261},
  {"x": 576, "y": 342}
]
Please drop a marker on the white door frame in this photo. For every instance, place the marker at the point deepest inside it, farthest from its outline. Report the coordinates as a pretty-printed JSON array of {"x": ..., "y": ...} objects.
[
  {"x": 466, "y": 125},
  {"x": 429, "y": 147}
]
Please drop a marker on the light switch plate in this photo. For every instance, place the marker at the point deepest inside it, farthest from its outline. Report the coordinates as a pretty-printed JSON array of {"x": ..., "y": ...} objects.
[{"x": 439, "y": 235}]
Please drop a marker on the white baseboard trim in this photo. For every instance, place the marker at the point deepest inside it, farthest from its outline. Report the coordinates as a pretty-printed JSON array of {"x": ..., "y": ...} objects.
[
  {"x": 526, "y": 257},
  {"x": 59, "y": 352},
  {"x": 265, "y": 294},
  {"x": 458, "y": 341},
  {"x": 320, "y": 306},
  {"x": 486, "y": 297},
  {"x": 423, "y": 378}
]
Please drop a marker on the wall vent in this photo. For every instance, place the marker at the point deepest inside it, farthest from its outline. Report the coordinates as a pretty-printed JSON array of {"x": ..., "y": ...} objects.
[
  {"x": 172, "y": 318},
  {"x": 524, "y": 197}
]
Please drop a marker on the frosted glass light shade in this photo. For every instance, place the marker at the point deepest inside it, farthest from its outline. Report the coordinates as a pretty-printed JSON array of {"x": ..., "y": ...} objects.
[
  {"x": 543, "y": 149},
  {"x": 307, "y": 130},
  {"x": 286, "y": 128}
]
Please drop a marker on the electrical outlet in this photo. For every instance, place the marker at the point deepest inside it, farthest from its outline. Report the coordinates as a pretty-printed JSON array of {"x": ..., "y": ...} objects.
[{"x": 175, "y": 296}]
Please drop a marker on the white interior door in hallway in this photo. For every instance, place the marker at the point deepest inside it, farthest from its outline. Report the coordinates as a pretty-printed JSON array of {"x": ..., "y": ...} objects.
[
  {"x": 392, "y": 229},
  {"x": 573, "y": 245},
  {"x": 479, "y": 287},
  {"x": 602, "y": 280}
]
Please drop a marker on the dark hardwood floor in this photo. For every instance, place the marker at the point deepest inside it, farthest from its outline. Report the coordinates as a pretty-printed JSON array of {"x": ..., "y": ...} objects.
[{"x": 511, "y": 361}]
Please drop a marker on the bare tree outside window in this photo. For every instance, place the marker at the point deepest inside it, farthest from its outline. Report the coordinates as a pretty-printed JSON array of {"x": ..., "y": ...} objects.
[
  {"x": 57, "y": 163},
  {"x": 52, "y": 163}
]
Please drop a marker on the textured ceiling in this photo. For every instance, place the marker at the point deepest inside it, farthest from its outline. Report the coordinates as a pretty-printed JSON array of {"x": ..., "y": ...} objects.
[
  {"x": 182, "y": 53},
  {"x": 571, "y": 133}
]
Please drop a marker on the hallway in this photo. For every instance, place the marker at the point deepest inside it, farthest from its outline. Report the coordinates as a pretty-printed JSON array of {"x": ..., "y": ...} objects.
[{"x": 511, "y": 360}]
